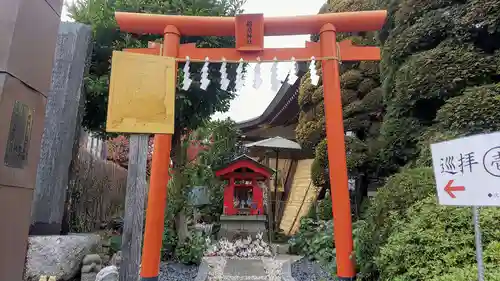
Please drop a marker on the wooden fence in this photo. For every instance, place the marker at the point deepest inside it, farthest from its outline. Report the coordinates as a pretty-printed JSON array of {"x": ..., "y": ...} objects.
[{"x": 96, "y": 192}]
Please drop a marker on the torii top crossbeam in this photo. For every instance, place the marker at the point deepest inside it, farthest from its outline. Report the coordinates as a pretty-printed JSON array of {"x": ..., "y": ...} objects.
[
  {"x": 249, "y": 51},
  {"x": 226, "y": 26}
]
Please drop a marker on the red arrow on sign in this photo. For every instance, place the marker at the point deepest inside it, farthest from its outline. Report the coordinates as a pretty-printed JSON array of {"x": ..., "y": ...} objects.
[{"x": 450, "y": 189}]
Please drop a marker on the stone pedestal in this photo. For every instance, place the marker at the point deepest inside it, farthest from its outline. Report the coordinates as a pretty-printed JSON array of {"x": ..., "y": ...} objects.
[
  {"x": 234, "y": 227},
  {"x": 28, "y": 30}
]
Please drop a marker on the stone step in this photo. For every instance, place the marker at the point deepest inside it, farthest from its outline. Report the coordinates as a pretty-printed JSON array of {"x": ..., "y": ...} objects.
[
  {"x": 242, "y": 268},
  {"x": 244, "y": 278}
]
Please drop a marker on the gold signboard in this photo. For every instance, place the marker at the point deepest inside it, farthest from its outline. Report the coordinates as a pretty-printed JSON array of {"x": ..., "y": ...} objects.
[{"x": 141, "y": 94}]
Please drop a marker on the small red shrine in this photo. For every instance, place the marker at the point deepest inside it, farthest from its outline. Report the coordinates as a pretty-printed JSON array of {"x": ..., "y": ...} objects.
[{"x": 243, "y": 195}]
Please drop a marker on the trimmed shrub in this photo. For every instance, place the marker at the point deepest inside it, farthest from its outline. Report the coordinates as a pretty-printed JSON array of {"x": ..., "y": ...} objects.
[
  {"x": 400, "y": 191},
  {"x": 430, "y": 239},
  {"x": 476, "y": 111},
  {"x": 319, "y": 166}
]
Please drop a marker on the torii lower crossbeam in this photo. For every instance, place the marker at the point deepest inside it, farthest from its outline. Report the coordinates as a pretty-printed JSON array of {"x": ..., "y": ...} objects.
[{"x": 347, "y": 52}]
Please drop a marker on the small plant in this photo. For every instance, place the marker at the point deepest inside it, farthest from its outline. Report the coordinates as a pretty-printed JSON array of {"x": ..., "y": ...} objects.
[
  {"x": 314, "y": 240},
  {"x": 192, "y": 250},
  {"x": 169, "y": 243}
]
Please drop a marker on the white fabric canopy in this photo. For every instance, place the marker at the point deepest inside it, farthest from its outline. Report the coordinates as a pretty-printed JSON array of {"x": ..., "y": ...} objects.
[{"x": 278, "y": 143}]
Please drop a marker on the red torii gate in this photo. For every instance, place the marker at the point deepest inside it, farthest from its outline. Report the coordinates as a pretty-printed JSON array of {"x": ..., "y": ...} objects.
[{"x": 249, "y": 31}]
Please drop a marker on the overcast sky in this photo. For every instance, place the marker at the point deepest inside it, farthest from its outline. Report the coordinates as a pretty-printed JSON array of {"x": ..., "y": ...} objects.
[{"x": 252, "y": 102}]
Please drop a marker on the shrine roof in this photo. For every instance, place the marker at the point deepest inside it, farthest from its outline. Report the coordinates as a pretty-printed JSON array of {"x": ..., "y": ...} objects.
[
  {"x": 244, "y": 161},
  {"x": 283, "y": 109}
]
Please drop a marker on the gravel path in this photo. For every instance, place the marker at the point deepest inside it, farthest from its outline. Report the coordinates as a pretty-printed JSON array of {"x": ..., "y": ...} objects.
[
  {"x": 172, "y": 271},
  {"x": 306, "y": 270}
]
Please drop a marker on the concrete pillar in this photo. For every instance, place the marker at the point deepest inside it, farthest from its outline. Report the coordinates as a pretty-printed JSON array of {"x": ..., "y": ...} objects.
[
  {"x": 62, "y": 127},
  {"x": 28, "y": 30}
]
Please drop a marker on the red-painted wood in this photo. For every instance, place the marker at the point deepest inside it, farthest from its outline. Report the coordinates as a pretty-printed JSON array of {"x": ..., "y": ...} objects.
[
  {"x": 244, "y": 163},
  {"x": 229, "y": 209},
  {"x": 258, "y": 199},
  {"x": 249, "y": 171}
]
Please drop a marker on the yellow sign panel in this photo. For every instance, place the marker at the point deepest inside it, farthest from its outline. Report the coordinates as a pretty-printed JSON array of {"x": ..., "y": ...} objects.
[{"x": 141, "y": 94}]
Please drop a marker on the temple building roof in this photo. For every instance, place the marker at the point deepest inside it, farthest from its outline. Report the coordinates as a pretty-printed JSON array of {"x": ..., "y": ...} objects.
[{"x": 282, "y": 111}]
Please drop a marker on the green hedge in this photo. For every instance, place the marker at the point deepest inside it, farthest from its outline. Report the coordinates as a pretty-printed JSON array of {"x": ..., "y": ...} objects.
[
  {"x": 318, "y": 174},
  {"x": 306, "y": 90},
  {"x": 314, "y": 239},
  {"x": 432, "y": 239},
  {"x": 469, "y": 273},
  {"x": 424, "y": 146},
  {"x": 491, "y": 257},
  {"x": 440, "y": 73},
  {"x": 400, "y": 191},
  {"x": 476, "y": 111}
]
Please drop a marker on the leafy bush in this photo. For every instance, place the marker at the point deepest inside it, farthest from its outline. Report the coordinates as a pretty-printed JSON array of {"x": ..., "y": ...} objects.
[
  {"x": 400, "y": 191},
  {"x": 319, "y": 174},
  {"x": 431, "y": 239},
  {"x": 325, "y": 208},
  {"x": 299, "y": 243},
  {"x": 356, "y": 153},
  {"x": 492, "y": 271},
  {"x": 469, "y": 273},
  {"x": 476, "y": 111},
  {"x": 322, "y": 210},
  {"x": 314, "y": 240},
  {"x": 169, "y": 243},
  {"x": 115, "y": 243},
  {"x": 424, "y": 146},
  {"x": 192, "y": 250}
]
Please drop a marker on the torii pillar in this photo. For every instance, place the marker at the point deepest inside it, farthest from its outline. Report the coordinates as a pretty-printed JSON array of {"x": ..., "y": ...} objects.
[{"x": 249, "y": 31}]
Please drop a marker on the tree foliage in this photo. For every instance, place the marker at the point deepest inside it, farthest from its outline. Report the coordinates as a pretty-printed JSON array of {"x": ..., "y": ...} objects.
[
  {"x": 222, "y": 142},
  {"x": 439, "y": 79},
  {"x": 433, "y": 51},
  {"x": 119, "y": 147},
  {"x": 362, "y": 100},
  {"x": 194, "y": 106},
  {"x": 400, "y": 191}
]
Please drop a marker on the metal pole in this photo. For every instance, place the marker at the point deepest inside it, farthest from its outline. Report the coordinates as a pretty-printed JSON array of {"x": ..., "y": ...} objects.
[
  {"x": 269, "y": 205},
  {"x": 276, "y": 193},
  {"x": 479, "y": 245}
]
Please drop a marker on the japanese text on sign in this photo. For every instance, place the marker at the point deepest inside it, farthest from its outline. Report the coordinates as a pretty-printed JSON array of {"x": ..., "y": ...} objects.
[
  {"x": 467, "y": 170},
  {"x": 249, "y": 32}
]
